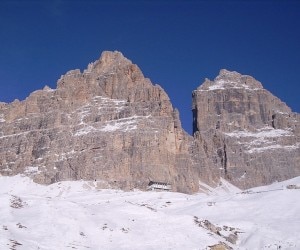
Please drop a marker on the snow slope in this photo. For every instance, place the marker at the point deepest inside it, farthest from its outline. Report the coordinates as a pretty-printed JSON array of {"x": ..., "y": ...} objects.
[{"x": 77, "y": 215}]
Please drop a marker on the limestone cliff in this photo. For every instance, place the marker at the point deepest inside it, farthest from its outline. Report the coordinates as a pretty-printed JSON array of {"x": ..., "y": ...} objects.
[
  {"x": 108, "y": 123},
  {"x": 250, "y": 135},
  {"x": 111, "y": 124}
]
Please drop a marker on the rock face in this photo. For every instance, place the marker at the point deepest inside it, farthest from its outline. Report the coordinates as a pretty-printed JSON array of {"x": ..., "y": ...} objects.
[
  {"x": 250, "y": 135},
  {"x": 108, "y": 124},
  {"x": 111, "y": 124}
]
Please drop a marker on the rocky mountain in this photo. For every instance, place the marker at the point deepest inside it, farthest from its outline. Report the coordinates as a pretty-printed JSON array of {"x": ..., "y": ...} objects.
[
  {"x": 108, "y": 123},
  {"x": 111, "y": 124},
  {"x": 250, "y": 135}
]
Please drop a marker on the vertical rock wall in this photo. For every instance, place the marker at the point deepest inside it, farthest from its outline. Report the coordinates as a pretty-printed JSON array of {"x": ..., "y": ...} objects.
[{"x": 249, "y": 134}]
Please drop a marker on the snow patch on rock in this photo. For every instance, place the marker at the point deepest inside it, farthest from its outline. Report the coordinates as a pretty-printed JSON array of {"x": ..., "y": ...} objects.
[
  {"x": 266, "y": 132},
  {"x": 2, "y": 118},
  {"x": 262, "y": 139},
  {"x": 274, "y": 147},
  {"x": 32, "y": 170}
]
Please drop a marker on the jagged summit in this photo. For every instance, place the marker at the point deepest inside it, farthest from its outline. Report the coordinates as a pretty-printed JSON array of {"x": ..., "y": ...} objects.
[
  {"x": 112, "y": 76},
  {"x": 111, "y": 64},
  {"x": 113, "y": 56},
  {"x": 108, "y": 62},
  {"x": 230, "y": 79}
]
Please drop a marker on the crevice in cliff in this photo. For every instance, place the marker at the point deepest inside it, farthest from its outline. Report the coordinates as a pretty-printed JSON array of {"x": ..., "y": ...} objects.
[
  {"x": 195, "y": 121},
  {"x": 225, "y": 160},
  {"x": 94, "y": 148},
  {"x": 273, "y": 121},
  {"x": 75, "y": 170},
  {"x": 70, "y": 166}
]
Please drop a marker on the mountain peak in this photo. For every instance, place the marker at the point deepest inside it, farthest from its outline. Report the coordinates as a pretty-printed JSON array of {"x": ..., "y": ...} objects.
[
  {"x": 108, "y": 61},
  {"x": 112, "y": 75},
  {"x": 111, "y": 55},
  {"x": 230, "y": 79},
  {"x": 227, "y": 73}
]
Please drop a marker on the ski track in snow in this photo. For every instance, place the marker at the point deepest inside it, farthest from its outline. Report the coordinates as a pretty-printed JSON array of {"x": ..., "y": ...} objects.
[{"x": 77, "y": 215}]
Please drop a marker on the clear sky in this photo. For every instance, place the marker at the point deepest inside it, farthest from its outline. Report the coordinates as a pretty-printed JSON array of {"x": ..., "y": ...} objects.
[{"x": 175, "y": 43}]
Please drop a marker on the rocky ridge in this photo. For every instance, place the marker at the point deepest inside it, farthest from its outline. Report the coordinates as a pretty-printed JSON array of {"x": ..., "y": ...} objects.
[{"x": 111, "y": 124}]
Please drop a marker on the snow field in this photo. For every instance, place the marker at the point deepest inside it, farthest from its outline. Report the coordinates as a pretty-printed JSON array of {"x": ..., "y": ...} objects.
[{"x": 76, "y": 215}]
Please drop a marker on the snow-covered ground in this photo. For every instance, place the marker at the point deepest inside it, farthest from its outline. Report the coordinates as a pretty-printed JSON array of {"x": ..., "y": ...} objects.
[{"x": 77, "y": 215}]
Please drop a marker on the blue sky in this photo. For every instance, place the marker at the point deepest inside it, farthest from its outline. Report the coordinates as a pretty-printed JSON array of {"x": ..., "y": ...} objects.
[{"x": 175, "y": 43}]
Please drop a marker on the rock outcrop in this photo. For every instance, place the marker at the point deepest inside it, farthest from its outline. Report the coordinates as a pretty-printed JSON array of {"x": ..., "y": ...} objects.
[
  {"x": 111, "y": 125},
  {"x": 250, "y": 135},
  {"x": 108, "y": 124}
]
